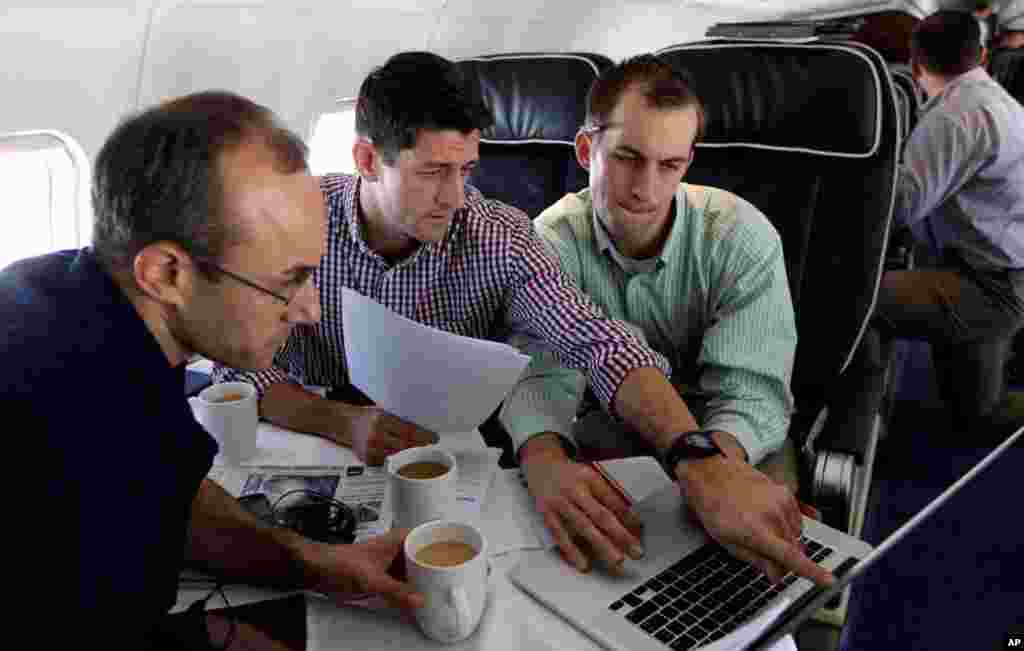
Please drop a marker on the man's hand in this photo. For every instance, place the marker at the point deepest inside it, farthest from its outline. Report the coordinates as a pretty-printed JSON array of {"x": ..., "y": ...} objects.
[
  {"x": 375, "y": 567},
  {"x": 374, "y": 434},
  {"x": 581, "y": 509},
  {"x": 751, "y": 515}
]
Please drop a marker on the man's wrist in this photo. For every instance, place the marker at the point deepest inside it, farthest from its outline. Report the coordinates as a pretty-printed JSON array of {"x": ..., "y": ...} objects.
[
  {"x": 730, "y": 445},
  {"x": 294, "y": 548},
  {"x": 729, "y": 448},
  {"x": 343, "y": 416},
  {"x": 546, "y": 446},
  {"x": 686, "y": 469}
]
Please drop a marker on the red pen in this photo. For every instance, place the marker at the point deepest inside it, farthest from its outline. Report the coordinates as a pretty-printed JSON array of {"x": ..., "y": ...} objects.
[{"x": 614, "y": 483}]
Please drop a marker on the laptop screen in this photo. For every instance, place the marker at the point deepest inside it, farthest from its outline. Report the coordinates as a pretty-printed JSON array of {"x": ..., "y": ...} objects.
[{"x": 813, "y": 600}]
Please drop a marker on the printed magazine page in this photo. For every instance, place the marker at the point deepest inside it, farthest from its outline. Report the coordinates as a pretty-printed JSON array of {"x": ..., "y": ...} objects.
[{"x": 363, "y": 488}]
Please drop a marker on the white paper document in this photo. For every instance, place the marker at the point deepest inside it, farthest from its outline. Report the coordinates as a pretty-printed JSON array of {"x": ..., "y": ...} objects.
[{"x": 440, "y": 381}]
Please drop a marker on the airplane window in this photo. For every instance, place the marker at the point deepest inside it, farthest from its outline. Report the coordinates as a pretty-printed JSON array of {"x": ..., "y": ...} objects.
[
  {"x": 43, "y": 195},
  {"x": 330, "y": 146}
]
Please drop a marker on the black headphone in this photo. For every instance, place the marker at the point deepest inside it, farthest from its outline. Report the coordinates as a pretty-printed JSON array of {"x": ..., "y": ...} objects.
[{"x": 316, "y": 516}]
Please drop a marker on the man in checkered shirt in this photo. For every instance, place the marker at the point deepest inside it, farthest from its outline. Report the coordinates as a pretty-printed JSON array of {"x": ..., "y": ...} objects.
[{"x": 408, "y": 232}]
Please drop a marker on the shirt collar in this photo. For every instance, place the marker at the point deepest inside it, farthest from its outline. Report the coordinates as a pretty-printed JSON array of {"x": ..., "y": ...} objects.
[
  {"x": 606, "y": 245},
  {"x": 118, "y": 310},
  {"x": 357, "y": 229},
  {"x": 973, "y": 75}
]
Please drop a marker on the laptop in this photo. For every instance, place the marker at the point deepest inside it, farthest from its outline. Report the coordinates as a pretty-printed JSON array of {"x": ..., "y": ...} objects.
[{"x": 688, "y": 592}]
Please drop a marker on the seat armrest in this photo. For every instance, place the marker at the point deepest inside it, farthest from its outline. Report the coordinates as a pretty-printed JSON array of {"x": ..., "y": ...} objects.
[{"x": 859, "y": 395}]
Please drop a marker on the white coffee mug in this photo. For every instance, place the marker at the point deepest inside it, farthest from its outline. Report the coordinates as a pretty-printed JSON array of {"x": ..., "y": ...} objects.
[
  {"x": 455, "y": 595},
  {"x": 415, "y": 501},
  {"x": 233, "y": 423}
]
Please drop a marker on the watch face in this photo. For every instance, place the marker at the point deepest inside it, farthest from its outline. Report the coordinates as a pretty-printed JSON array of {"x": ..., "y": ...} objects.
[
  {"x": 695, "y": 445},
  {"x": 701, "y": 441}
]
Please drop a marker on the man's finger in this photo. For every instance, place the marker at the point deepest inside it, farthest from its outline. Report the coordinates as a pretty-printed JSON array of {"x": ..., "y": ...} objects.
[
  {"x": 613, "y": 501},
  {"x": 809, "y": 511},
  {"x": 770, "y": 569},
  {"x": 389, "y": 443},
  {"x": 603, "y": 514},
  {"x": 415, "y": 437},
  {"x": 796, "y": 520},
  {"x": 398, "y": 593},
  {"x": 618, "y": 504},
  {"x": 790, "y": 557},
  {"x": 788, "y": 529},
  {"x": 581, "y": 524},
  {"x": 570, "y": 552},
  {"x": 410, "y": 433}
]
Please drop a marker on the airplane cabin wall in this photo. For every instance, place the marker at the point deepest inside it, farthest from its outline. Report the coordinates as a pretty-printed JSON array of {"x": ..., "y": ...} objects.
[
  {"x": 80, "y": 70},
  {"x": 69, "y": 68}
]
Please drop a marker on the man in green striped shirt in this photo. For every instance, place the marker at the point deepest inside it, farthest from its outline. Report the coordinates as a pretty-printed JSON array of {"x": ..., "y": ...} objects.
[{"x": 700, "y": 272}]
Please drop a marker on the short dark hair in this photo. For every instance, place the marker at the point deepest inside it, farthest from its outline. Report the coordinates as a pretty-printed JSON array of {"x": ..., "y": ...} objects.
[
  {"x": 947, "y": 43},
  {"x": 413, "y": 91},
  {"x": 156, "y": 178},
  {"x": 663, "y": 85}
]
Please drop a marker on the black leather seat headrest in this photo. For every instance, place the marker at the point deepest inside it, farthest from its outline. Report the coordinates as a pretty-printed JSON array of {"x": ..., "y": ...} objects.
[
  {"x": 535, "y": 98},
  {"x": 787, "y": 96},
  {"x": 1007, "y": 67}
]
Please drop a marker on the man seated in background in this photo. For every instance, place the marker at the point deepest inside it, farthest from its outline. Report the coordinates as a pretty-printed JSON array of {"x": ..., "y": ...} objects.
[
  {"x": 986, "y": 15},
  {"x": 961, "y": 193},
  {"x": 207, "y": 228},
  {"x": 1011, "y": 26},
  {"x": 1011, "y": 39},
  {"x": 698, "y": 270},
  {"x": 409, "y": 232}
]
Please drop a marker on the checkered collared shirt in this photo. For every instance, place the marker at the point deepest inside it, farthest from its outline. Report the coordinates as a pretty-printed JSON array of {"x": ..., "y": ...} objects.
[{"x": 490, "y": 276}]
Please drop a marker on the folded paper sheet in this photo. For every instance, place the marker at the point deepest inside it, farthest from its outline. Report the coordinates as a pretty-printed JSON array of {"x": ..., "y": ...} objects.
[{"x": 440, "y": 381}]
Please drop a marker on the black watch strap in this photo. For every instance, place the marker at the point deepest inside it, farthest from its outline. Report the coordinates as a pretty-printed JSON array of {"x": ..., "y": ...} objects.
[{"x": 698, "y": 444}]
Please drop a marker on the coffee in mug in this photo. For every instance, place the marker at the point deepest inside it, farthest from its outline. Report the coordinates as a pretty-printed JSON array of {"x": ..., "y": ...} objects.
[
  {"x": 421, "y": 485},
  {"x": 422, "y": 470},
  {"x": 447, "y": 562},
  {"x": 229, "y": 411},
  {"x": 229, "y": 397},
  {"x": 446, "y": 553}
]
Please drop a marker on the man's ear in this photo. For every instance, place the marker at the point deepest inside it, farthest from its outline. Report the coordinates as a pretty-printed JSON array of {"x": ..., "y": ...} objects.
[
  {"x": 163, "y": 272},
  {"x": 584, "y": 143},
  {"x": 366, "y": 158}
]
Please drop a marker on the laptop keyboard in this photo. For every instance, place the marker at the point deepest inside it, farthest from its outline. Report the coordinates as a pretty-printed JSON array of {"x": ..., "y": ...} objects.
[{"x": 705, "y": 596}]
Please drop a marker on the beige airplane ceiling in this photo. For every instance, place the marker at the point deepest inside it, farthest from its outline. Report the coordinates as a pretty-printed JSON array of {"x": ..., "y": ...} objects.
[
  {"x": 79, "y": 69},
  {"x": 78, "y": 66}
]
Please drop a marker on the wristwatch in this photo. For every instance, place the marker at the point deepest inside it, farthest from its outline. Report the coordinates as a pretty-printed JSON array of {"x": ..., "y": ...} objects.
[{"x": 697, "y": 444}]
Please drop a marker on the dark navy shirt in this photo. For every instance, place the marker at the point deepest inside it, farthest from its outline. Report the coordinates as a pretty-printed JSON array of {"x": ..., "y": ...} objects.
[{"x": 117, "y": 453}]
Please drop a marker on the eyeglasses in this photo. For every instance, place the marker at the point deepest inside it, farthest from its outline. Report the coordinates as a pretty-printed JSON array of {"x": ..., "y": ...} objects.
[
  {"x": 300, "y": 281},
  {"x": 594, "y": 129}
]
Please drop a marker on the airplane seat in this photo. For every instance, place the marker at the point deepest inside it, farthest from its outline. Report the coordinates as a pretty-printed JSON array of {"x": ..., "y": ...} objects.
[
  {"x": 809, "y": 133},
  {"x": 902, "y": 107},
  {"x": 527, "y": 158},
  {"x": 904, "y": 81},
  {"x": 1007, "y": 67},
  {"x": 901, "y": 250}
]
